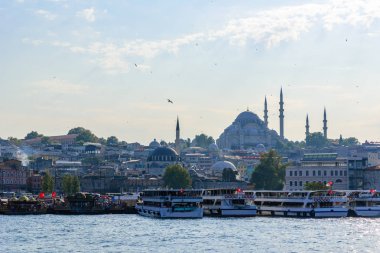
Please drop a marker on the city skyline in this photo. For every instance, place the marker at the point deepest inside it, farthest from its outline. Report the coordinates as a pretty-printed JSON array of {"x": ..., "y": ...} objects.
[{"x": 111, "y": 67}]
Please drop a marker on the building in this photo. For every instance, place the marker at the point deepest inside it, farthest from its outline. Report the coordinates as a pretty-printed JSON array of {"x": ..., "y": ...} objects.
[
  {"x": 247, "y": 132},
  {"x": 161, "y": 158},
  {"x": 322, "y": 167},
  {"x": 13, "y": 176},
  {"x": 371, "y": 178}
]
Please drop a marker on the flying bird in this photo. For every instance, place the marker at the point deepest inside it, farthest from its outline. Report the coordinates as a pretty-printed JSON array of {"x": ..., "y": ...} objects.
[
  {"x": 135, "y": 65},
  {"x": 169, "y": 101}
]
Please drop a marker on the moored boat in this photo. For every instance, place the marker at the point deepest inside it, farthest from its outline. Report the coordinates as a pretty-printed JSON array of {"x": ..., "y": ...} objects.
[
  {"x": 23, "y": 206},
  {"x": 316, "y": 204},
  {"x": 364, "y": 203},
  {"x": 170, "y": 204},
  {"x": 228, "y": 203}
]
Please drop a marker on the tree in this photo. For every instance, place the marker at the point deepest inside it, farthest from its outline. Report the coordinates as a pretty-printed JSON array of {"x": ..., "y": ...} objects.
[
  {"x": 269, "y": 174},
  {"x": 84, "y": 135},
  {"x": 176, "y": 177},
  {"x": 315, "y": 186},
  {"x": 14, "y": 141},
  {"x": 47, "y": 183},
  {"x": 112, "y": 140},
  {"x": 317, "y": 140},
  {"x": 351, "y": 141},
  {"x": 70, "y": 184},
  {"x": 228, "y": 175},
  {"x": 203, "y": 140},
  {"x": 45, "y": 140},
  {"x": 32, "y": 135}
]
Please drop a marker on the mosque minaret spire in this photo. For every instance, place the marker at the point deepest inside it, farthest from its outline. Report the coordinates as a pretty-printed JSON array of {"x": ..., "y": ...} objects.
[
  {"x": 266, "y": 112},
  {"x": 281, "y": 115},
  {"x": 325, "y": 123},
  {"x": 307, "y": 126}
]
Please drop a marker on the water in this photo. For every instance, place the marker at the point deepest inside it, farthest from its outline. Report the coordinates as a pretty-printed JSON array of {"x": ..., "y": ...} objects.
[{"x": 132, "y": 233}]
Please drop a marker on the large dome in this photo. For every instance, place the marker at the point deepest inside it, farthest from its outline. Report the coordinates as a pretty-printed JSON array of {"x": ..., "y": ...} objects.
[
  {"x": 247, "y": 117},
  {"x": 218, "y": 167},
  {"x": 163, "y": 154}
]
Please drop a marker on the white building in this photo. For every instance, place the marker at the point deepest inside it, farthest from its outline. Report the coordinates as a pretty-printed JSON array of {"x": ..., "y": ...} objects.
[{"x": 318, "y": 168}]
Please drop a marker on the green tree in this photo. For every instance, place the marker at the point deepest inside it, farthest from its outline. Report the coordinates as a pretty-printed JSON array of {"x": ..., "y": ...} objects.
[
  {"x": 47, "y": 183},
  {"x": 112, "y": 140},
  {"x": 351, "y": 141},
  {"x": 45, "y": 140},
  {"x": 84, "y": 135},
  {"x": 176, "y": 177},
  {"x": 203, "y": 140},
  {"x": 228, "y": 175},
  {"x": 70, "y": 184},
  {"x": 317, "y": 140},
  {"x": 14, "y": 141},
  {"x": 315, "y": 186},
  {"x": 269, "y": 174},
  {"x": 32, "y": 135}
]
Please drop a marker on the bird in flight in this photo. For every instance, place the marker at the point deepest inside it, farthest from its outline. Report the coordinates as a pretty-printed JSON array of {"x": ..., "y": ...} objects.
[
  {"x": 169, "y": 101},
  {"x": 135, "y": 65}
]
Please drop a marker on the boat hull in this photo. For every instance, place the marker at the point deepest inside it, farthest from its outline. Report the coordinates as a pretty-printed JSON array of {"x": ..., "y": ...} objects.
[
  {"x": 367, "y": 211},
  {"x": 156, "y": 212}
]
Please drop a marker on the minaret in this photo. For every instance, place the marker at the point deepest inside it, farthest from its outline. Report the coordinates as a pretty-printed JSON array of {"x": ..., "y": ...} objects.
[
  {"x": 325, "y": 124},
  {"x": 281, "y": 115},
  {"x": 266, "y": 112},
  {"x": 307, "y": 126},
  {"x": 177, "y": 132}
]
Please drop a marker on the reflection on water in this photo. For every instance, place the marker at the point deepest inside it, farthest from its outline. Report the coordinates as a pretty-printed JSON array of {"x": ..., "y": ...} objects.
[{"x": 132, "y": 233}]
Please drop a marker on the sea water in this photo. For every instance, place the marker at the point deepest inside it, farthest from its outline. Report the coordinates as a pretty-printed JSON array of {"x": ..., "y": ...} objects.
[{"x": 133, "y": 233}]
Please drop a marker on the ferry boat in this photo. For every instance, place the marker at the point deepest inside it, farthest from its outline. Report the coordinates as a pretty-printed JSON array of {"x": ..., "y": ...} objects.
[
  {"x": 82, "y": 203},
  {"x": 364, "y": 203},
  {"x": 170, "y": 204},
  {"x": 318, "y": 204},
  {"x": 23, "y": 206},
  {"x": 228, "y": 203}
]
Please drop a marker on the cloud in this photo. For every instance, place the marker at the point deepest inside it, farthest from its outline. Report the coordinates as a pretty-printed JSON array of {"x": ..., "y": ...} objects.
[
  {"x": 268, "y": 27},
  {"x": 55, "y": 85},
  {"x": 45, "y": 14},
  {"x": 88, "y": 14}
]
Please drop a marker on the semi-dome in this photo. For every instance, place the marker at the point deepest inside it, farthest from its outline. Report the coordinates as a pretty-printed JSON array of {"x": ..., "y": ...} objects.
[
  {"x": 163, "y": 154},
  {"x": 218, "y": 167},
  {"x": 154, "y": 144}
]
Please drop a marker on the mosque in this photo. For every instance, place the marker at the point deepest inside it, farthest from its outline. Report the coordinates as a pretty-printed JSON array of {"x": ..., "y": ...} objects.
[{"x": 248, "y": 131}]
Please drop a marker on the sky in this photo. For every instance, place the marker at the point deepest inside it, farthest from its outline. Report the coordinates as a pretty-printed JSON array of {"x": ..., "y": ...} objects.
[{"x": 110, "y": 66}]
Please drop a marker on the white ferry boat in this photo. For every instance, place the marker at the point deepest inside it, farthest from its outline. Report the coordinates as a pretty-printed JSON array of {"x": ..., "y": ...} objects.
[
  {"x": 227, "y": 203},
  {"x": 364, "y": 203},
  {"x": 318, "y": 204},
  {"x": 170, "y": 204}
]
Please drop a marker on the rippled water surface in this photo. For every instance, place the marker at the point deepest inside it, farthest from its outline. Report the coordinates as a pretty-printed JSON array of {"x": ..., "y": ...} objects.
[{"x": 132, "y": 233}]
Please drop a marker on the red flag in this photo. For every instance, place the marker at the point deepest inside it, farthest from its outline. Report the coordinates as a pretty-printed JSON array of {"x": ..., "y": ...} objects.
[
  {"x": 53, "y": 194},
  {"x": 330, "y": 192},
  {"x": 372, "y": 191},
  {"x": 41, "y": 195}
]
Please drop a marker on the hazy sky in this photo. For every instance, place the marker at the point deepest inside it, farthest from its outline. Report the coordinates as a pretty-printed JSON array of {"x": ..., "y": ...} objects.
[{"x": 109, "y": 66}]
